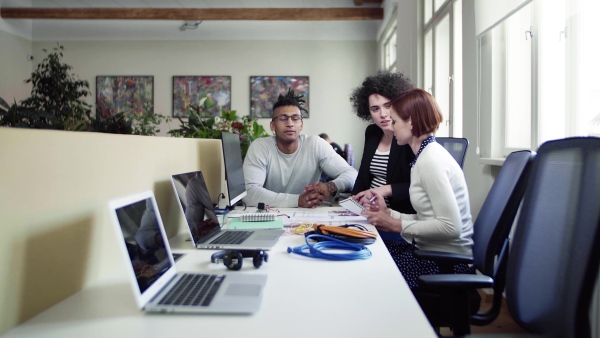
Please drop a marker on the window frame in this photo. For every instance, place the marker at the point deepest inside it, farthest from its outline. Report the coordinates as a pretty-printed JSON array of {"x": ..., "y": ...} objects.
[
  {"x": 547, "y": 24},
  {"x": 388, "y": 44},
  {"x": 430, "y": 22}
]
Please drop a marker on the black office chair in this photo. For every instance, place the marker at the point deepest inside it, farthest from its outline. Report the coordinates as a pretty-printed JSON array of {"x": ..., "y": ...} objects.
[
  {"x": 451, "y": 299},
  {"x": 457, "y": 147},
  {"x": 555, "y": 254}
]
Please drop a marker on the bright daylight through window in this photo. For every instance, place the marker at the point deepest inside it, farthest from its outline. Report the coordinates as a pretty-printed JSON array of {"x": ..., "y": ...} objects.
[{"x": 538, "y": 75}]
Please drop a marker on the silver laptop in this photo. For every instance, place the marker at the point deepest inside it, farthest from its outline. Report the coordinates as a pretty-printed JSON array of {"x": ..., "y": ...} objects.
[
  {"x": 157, "y": 285},
  {"x": 205, "y": 230}
]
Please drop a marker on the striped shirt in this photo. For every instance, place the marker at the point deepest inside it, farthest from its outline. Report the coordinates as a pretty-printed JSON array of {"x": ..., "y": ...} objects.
[{"x": 378, "y": 170}]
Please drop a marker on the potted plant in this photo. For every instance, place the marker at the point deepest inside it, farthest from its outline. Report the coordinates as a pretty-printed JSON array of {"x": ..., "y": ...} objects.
[
  {"x": 57, "y": 102},
  {"x": 202, "y": 125},
  {"x": 58, "y": 93}
]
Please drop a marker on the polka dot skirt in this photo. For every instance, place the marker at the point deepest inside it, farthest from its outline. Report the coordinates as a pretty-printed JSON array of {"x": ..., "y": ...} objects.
[{"x": 411, "y": 267}]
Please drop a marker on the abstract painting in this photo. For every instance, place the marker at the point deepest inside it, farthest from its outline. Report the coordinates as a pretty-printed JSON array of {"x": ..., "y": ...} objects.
[
  {"x": 124, "y": 94},
  {"x": 264, "y": 91},
  {"x": 189, "y": 91}
]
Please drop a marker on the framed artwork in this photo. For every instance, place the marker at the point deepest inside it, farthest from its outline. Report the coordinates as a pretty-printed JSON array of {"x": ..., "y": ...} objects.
[
  {"x": 122, "y": 94},
  {"x": 189, "y": 90},
  {"x": 264, "y": 91}
]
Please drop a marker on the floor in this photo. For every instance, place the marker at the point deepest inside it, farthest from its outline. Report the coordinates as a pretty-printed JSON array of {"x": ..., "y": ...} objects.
[{"x": 503, "y": 324}]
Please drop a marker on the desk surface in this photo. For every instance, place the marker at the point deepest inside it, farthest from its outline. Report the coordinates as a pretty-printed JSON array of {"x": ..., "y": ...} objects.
[{"x": 303, "y": 297}]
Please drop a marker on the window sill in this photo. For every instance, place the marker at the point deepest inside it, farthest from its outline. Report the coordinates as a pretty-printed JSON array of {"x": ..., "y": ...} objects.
[{"x": 499, "y": 161}]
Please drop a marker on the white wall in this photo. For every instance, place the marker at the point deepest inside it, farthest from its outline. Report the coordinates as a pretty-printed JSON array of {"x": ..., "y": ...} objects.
[
  {"x": 14, "y": 67},
  {"x": 334, "y": 69}
]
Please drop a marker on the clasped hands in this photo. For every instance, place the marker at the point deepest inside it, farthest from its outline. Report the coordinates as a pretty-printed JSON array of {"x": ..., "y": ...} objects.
[
  {"x": 314, "y": 195},
  {"x": 377, "y": 212}
]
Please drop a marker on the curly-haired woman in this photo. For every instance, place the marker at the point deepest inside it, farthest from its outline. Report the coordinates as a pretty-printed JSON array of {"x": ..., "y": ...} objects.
[{"x": 385, "y": 165}]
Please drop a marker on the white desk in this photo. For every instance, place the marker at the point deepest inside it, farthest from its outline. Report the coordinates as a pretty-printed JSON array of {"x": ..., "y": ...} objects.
[{"x": 303, "y": 297}]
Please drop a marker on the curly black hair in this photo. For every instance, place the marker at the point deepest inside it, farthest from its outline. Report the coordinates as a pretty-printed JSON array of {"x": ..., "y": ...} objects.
[
  {"x": 386, "y": 84},
  {"x": 291, "y": 99}
]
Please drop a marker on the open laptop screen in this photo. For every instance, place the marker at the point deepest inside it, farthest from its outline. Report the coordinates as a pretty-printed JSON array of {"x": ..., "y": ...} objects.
[
  {"x": 144, "y": 242},
  {"x": 196, "y": 205}
]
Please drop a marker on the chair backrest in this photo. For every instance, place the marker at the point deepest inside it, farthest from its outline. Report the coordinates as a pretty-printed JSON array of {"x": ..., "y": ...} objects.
[
  {"x": 349, "y": 154},
  {"x": 497, "y": 214},
  {"x": 492, "y": 227},
  {"x": 457, "y": 147},
  {"x": 555, "y": 252}
]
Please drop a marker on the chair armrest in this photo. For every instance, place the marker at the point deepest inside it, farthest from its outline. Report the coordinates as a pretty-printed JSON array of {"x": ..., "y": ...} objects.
[
  {"x": 443, "y": 257},
  {"x": 446, "y": 282}
]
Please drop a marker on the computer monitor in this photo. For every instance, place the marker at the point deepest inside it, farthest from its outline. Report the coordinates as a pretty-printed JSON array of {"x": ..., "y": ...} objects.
[{"x": 234, "y": 173}]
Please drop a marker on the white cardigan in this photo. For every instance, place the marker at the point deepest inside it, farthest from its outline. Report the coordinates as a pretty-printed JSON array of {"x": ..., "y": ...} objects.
[{"x": 439, "y": 194}]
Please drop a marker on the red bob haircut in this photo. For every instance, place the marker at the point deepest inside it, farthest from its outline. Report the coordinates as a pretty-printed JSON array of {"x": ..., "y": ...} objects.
[{"x": 421, "y": 108}]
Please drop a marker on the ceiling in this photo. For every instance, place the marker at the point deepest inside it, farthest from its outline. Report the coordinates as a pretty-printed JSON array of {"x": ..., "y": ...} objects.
[{"x": 283, "y": 22}]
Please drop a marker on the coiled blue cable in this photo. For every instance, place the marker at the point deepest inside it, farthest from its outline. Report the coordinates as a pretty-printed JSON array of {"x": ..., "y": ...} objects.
[{"x": 316, "y": 250}]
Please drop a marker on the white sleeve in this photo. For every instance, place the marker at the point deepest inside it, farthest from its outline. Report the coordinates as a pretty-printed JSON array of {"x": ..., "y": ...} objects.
[{"x": 335, "y": 166}]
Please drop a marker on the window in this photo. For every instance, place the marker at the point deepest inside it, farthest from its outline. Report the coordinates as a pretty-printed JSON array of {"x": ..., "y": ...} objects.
[
  {"x": 518, "y": 45},
  {"x": 537, "y": 75},
  {"x": 389, "y": 49},
  {"x": 507, "y": 92},
  {"x": 442, "y": 55},
  {"x": 584, "y": 66}
]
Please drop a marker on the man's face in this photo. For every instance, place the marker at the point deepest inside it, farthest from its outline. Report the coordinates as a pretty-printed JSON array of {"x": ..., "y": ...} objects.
[{"x": 287, "y": 130}]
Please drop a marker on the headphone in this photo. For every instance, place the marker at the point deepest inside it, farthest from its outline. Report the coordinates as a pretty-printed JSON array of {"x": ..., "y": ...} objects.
[{"x": 233, "y": 258}]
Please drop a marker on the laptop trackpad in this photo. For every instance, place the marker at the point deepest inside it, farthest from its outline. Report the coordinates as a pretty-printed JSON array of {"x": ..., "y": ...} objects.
[
  {"x": 266, "y": 237},
  {"x": 238, "y": 289}
]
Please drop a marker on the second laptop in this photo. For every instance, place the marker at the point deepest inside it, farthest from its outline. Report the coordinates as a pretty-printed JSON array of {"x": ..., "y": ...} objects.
[{"x": 205, "y": 230}]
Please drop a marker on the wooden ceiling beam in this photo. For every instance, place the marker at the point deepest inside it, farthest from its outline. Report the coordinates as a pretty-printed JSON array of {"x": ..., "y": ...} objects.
[
  {"x": 283, "y": 14},
  {"x": 360, "y": 2}
]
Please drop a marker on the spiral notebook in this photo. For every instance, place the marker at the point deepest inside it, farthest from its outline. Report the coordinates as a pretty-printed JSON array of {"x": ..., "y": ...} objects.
[{"x": 352, "y": 205}]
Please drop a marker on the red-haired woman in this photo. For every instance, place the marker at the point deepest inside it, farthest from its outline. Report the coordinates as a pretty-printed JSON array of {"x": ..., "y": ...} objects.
[{"x": 438, "y": 192}]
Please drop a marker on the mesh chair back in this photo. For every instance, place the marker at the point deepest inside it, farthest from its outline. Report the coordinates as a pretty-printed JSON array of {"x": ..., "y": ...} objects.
[
  {"x": 555, "y": 252},
  {"x": 457, "y": 147},
  {"x": 490, "y": 237},
  {"x": 499, "y": 209}
]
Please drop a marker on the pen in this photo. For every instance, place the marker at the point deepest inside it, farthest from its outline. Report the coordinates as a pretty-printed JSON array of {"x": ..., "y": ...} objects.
[{"x": 372, "y": 199}]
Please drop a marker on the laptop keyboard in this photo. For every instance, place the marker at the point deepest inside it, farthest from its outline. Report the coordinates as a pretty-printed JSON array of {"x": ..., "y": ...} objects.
[
  {"x": 193, "y": 290},
  {"x": 232, "y": 237}
]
